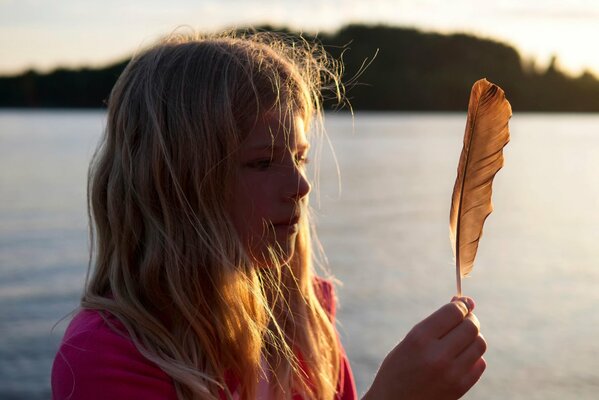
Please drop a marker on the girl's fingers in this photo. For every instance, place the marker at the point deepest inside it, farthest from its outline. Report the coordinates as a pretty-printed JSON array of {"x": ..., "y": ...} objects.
[
  {"x": 461, "y": 337},
  {"x": 468, "y": 301},
  {"x": 446, "y": 318},
  {"x": 472, "y": 353},
  {"x": 467, "y": 368},
  {"x": 472, "y": 376}
]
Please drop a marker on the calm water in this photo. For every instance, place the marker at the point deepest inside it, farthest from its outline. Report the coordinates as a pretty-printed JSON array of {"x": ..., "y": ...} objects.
[{"x": 385, "y": 232}]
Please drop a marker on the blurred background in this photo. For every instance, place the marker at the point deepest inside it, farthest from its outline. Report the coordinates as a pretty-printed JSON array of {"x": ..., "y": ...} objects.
[{"x": 384, "y": 221}]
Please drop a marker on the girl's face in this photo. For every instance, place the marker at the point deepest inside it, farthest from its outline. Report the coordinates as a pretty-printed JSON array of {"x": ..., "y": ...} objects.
[{"x": 271, "y": 187}]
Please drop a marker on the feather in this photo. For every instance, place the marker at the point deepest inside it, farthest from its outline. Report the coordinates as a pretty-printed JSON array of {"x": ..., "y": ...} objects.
[{"x": 482, "y": 156}]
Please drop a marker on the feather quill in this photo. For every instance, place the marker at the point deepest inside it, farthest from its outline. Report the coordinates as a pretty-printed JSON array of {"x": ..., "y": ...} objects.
[{"x": 486, "y": 134}]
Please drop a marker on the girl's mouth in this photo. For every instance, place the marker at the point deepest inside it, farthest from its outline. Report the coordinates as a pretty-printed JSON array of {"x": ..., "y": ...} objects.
[{"x": 291, "y": 225}]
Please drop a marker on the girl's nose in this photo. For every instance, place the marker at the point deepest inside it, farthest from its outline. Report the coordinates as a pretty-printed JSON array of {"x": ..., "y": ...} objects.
[
  {"x": 299, "y": 185},
  {"x": 303, "y": 186}
]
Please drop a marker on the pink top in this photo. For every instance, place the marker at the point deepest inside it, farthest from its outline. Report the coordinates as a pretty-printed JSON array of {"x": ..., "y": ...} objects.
[{"x": 95, "y": 362}]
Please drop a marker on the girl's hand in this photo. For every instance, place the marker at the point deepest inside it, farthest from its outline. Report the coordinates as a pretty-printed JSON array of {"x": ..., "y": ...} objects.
[{"x": 440, "y": 358}]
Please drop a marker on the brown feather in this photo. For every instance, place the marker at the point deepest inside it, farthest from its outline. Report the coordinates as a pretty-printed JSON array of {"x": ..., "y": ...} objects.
[{"x": 482, "y": 156}]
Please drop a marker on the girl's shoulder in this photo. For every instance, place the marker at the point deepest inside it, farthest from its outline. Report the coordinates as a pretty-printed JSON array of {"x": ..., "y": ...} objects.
[{"x": 98, "y": 360}]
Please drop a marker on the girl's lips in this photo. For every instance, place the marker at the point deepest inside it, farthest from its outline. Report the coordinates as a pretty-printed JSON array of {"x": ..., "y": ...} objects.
[
  {"x": 289, "y": 225},
  {"x": 291, "y": 228}
]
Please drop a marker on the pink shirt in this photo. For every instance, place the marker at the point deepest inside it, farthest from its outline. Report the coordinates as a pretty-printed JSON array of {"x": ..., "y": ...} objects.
[{"x": 95, "y": 362}]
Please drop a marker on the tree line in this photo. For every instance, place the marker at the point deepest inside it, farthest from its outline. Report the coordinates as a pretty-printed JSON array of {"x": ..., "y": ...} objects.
[{"x": 386, "y": 68}]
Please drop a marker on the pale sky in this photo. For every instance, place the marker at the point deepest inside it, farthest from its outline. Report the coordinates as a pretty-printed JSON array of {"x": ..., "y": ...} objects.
[{"x": 43, "y": 34}]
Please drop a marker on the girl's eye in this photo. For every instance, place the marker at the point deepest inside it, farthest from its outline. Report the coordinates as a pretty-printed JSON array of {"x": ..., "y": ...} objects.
[
  {"x": 265, "y": 163},
  {"x": 261, "y": 165},
  {"x": 302, "y": 160}
]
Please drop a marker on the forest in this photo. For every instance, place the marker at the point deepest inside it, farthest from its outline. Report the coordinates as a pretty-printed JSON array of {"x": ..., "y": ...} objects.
[{"x": 386, "y": 68}]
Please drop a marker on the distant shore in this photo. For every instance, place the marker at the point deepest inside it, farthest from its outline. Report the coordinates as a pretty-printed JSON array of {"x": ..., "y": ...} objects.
[{"x": 407, "y": 70}]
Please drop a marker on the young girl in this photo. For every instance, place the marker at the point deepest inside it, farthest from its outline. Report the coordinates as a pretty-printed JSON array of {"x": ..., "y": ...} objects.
[{"x": 203, "y": 284}]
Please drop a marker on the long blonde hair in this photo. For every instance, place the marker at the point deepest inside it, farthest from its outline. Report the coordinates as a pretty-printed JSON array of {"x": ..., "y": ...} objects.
[{"x": 166, "y": 260}]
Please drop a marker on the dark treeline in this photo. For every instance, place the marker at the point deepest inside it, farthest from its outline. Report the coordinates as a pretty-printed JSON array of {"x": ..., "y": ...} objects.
[{"x": 411, "y": 71}]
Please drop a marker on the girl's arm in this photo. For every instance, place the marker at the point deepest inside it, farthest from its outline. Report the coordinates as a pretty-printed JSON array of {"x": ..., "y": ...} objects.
[{"x": 440, "y": 358}]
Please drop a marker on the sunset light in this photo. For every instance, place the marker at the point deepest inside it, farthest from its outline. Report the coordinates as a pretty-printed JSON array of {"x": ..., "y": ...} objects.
[{"x": 43, "y": 35}]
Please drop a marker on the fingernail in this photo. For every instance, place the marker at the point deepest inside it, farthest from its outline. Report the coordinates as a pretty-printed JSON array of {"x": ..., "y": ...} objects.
[{"x": 467, "y": 301}]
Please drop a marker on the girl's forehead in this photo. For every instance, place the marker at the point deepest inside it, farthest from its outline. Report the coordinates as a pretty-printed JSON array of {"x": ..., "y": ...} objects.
[{"x": 274, "y": 130}]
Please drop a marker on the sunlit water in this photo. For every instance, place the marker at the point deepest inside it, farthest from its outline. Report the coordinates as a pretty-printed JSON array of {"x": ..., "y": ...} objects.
[{"x": 536, "y": 280}]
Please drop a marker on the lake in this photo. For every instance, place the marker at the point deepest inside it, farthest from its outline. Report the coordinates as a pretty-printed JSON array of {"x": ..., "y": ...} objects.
[{"x": 383, "y": 222}]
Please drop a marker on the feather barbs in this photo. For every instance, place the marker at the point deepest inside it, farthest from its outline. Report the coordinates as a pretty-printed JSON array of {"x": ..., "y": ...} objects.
[{"x": 486, "y": 134}]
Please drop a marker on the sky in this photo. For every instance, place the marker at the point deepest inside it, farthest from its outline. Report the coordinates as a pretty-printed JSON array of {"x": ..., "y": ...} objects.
[{"x": 44, "y": 34}]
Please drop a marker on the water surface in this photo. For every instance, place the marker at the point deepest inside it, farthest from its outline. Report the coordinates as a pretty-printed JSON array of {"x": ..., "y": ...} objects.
[{"x": 385, "y": 235}]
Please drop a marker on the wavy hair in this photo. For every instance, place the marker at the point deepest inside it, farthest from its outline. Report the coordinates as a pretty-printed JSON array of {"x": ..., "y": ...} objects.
[{"x": 166, "y": 260}]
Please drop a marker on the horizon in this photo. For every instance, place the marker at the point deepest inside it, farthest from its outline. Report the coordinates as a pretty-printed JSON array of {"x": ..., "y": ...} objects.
[
  {"x": 526, "y": 62},
  {"x": 70, "y": 34}
]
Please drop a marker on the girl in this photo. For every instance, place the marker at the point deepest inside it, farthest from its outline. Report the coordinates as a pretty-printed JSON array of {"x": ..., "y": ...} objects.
[{"x": 203, "y": 284}]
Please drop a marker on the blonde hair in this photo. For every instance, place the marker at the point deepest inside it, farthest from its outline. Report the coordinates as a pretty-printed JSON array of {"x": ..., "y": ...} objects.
[{"x": 166, "y": 259}]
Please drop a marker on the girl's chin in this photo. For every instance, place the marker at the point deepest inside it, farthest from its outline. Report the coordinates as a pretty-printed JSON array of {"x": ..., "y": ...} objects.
[
  {"x": 280, "y": 254},
  {"x": 276, "y": 247}
]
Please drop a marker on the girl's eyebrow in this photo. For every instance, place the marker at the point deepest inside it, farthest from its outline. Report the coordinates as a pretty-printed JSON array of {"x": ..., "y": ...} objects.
[{"x": 278, "y": 148}]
